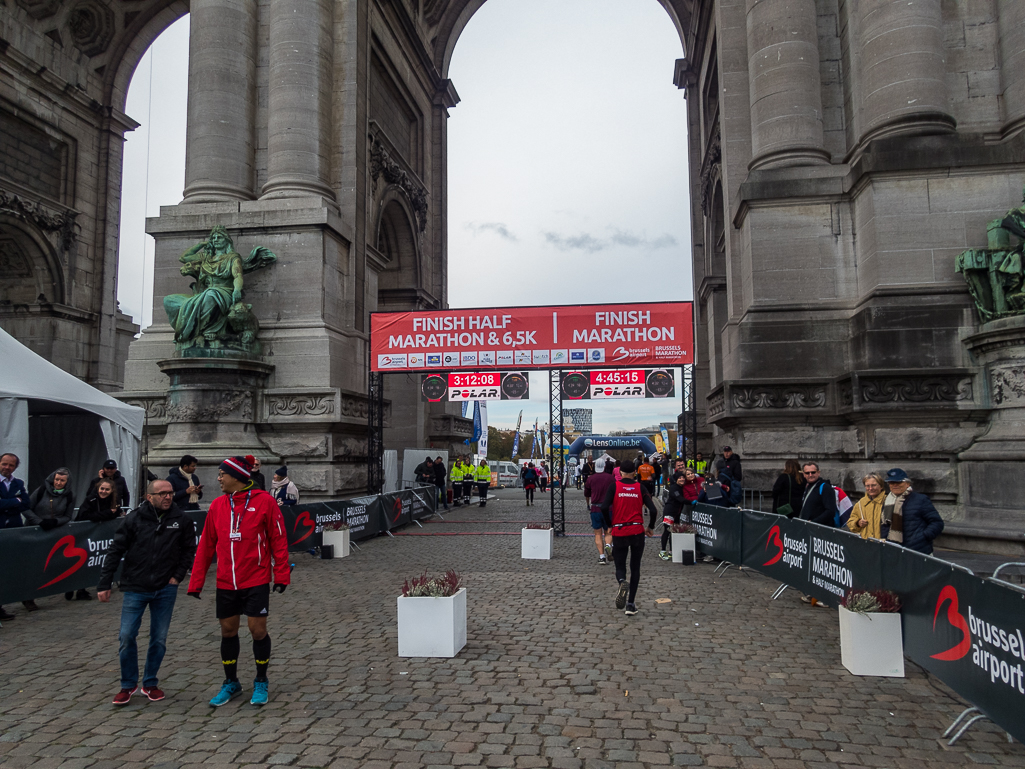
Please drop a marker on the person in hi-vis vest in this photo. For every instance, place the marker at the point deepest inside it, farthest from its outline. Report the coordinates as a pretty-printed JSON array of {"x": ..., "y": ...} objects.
[
  {"x": 456, "y": 476},
  {"x": 483, "y": 481}
]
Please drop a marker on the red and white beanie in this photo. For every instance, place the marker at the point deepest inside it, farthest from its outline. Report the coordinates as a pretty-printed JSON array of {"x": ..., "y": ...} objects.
[{"x": 240, "y": 468}]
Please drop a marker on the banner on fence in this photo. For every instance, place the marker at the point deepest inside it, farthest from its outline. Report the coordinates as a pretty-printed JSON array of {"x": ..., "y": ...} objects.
[
  {"x": 718, "y": 531},
  {"x": 39, "y": 563}
]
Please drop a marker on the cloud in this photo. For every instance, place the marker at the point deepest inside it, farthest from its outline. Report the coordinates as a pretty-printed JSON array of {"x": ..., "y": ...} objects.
[
  {"x": 496, "y": 227},
  {"x": 592, "y": 244},
  {"x": 575, "y": 242}
]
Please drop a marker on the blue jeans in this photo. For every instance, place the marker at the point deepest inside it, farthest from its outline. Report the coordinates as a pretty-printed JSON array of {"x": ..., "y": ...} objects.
[{"x": 161, "y": 604}]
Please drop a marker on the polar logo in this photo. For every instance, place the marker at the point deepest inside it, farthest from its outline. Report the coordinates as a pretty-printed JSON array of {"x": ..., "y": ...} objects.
[{"x": 620, "y": 353}]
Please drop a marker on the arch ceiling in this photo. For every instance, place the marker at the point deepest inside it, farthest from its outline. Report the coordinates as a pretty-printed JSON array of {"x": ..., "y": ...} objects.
[{"x": 448, "y": 19}]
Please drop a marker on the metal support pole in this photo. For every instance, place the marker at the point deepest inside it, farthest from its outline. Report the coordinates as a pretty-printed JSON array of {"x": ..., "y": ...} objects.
[
  {"x": 375, "y": 432},
  {"x": 556, "y": 463},
  {"x": 694, "y": 414}
]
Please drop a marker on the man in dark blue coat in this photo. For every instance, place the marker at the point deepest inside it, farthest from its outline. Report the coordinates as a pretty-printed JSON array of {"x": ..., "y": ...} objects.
[
  {"x": 13, "y": 501},
  {"x": 819, "y": 504},
  {"x": 909, "y": 517}
]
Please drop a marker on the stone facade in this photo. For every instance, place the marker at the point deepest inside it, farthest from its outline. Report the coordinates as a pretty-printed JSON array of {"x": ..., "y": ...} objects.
[{"x": 846, "y": 153}]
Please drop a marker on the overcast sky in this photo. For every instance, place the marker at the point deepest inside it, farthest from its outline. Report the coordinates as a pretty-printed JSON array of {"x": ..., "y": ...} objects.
[{"x": 567, "y": 167}]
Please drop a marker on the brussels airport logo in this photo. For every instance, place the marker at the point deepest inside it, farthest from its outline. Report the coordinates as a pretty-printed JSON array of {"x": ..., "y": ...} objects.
[
  {"x": 303, "y": 519},
  {"x": 620, "y": 353},
  {"x": 69, "y": 551},
  {"x": 391, "y": 361},
  {"x": 782, "y": 548},
  {"x": 956, "y": 620}
]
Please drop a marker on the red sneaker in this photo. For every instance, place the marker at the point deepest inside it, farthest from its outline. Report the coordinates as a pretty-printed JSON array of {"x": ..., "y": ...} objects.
[
  {"x": 154, "y": 694},
  {"x": 124, "y": 696}
]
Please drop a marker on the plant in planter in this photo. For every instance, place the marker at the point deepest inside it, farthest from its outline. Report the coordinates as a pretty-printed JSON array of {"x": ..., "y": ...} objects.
[
  {"x": 432, "y": 616},
  {"x": 536, "y": 541},
  {"x": 336, "y": 536},
  {"x": 684, "y": 541},
  {"x": 871, "y": 643}
]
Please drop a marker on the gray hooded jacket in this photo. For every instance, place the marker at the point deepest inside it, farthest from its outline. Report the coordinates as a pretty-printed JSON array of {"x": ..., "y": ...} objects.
[{"x": 45, "y": 502}]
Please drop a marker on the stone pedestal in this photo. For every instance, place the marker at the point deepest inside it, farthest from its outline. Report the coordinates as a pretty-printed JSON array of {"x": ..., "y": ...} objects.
[
  {"x": 211, "y": 410},
  {"x": 993, "y": 467}
]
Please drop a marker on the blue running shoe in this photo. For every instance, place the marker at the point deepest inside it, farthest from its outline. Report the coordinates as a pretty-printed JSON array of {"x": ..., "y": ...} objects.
[
  {"x": 259, "y": 693},
  {"x": 228, "y": 692}
]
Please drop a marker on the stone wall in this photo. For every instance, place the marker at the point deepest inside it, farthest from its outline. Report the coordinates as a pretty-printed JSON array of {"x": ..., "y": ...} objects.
[{"x": 835, "y": 326}]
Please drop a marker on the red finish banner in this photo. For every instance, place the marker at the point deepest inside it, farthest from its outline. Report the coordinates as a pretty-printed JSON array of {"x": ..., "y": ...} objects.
[{"x": 572, "y": 337}]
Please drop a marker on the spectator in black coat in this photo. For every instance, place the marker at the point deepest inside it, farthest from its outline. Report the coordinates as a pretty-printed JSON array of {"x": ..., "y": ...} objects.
[
  {"x": 104, "y": 506},
  {"x": 13, "y": 501},
  {"x": 185, "y": 483},
  {"x": 257, "y": 476},
  {"x": 109, "y": 470},
  {"x": 441, "y": 480},
  {"x": 423, "y": 474},
  {"x": 819, "y": 503},
  {"x": 788, "y": 490},
  {"x": 909, "y": 516},
  {"x": 730, "y": 463}
]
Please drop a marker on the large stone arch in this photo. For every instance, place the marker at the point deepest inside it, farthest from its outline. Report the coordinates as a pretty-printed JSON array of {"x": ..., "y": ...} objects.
[
  {"x": 399, "y": 282},
  {"x": 449, "y": 19}
]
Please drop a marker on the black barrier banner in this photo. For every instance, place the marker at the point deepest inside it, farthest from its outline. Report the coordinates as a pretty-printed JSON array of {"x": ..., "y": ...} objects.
[
  {"x": 719, "y": 531},
  {"x": 303, "y": 525},
  {"x": 398, "y": 508},
  {"x": 39, "y": 563},
  {"x": 362, "y": 516},
  {"x": 968, "y": 632},
  {"x": 820, "y": 561}
]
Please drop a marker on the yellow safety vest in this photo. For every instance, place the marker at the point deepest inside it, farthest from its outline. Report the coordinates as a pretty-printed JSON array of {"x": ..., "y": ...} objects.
[
  {"x": 456, "y": 474},
  {"x": 483, "y": 474}
]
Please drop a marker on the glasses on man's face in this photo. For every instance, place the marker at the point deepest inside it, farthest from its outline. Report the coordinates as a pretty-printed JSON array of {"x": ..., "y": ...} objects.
[
  {"x": 811, "y": 472},
  {"x": 161, "y": 493}
]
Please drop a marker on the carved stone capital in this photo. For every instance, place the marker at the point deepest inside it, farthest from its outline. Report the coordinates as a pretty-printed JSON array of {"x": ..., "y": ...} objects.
[
  {"x": 383, "y": 165},
  {"x": 60, "y": 222}
]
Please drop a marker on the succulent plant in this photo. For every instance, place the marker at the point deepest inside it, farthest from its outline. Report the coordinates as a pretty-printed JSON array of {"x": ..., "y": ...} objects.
[
  {"x": 872, "y": 601},
  {"x": 432, "y": 587},
  {"x": 682, "y": 528}
]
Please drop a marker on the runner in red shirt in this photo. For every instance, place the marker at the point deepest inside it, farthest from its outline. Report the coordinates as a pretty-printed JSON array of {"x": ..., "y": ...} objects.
[
  {"x": 245, "y": 529},
  {"x": 626, "y": 500}
]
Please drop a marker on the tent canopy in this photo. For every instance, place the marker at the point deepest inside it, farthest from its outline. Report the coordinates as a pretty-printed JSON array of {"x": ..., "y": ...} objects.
[
  {"x": 27, "y": 375},
  {"x": 73, "y": 424}
]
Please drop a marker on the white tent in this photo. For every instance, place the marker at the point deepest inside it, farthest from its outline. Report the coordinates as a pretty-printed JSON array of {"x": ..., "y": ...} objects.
[{"x": 50, "y": 419}]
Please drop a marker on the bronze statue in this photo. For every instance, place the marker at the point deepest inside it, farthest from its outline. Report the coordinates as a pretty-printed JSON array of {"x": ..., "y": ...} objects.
[
  {"x": 994, "y": 274},
  {"x": 214, "y": 317}
]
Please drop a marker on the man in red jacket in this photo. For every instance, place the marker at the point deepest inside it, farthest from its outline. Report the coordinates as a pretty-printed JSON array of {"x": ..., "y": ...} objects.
[
  {"x": 247, "y": 532},
  {"x": 624, "y": 504}
]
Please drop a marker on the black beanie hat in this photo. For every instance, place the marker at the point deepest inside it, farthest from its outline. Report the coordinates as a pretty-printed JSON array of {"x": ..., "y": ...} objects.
[
  {"x": 240, "y": 468},
  {"x": 282, "y": 472}
]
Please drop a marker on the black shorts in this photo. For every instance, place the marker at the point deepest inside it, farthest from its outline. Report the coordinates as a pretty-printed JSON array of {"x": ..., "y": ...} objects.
[{"x": 251, "y": 601}]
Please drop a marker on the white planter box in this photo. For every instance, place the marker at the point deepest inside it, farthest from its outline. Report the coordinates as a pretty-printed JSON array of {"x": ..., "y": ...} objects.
[
  {"x": 340, "y": 540},
  {"x": 871, "y": 644},
  {"x": 432, "y": 627},
  {"x": 537, "y": 543},
  {"x": 682, "y": 542}
]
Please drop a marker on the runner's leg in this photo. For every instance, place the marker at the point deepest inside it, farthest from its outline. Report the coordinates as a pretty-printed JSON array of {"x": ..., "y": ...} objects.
[
  {"x": 636, "y": 546},
  {"x": 230, "y": 646}
]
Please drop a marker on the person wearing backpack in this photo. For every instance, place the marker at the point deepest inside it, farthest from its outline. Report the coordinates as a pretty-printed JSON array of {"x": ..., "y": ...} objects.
[
  {"x": 529, "y": 482},
  {"x": 819, "y": 503}
]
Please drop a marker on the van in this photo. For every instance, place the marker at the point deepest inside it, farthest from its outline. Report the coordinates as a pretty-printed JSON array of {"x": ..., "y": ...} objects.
[{"x": 508, "y": 474}]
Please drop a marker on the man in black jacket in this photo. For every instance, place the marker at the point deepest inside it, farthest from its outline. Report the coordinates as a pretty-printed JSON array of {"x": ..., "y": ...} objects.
[
  {"x": 819, "y": 505},
  {"x": 158, "y": 543},
  {"x": 441, "y": 480},
  {"x": 730, "y": 463}
]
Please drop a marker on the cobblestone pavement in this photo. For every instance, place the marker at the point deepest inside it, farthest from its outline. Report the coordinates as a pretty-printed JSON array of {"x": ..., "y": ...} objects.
[{"x": 552, "y": 675}]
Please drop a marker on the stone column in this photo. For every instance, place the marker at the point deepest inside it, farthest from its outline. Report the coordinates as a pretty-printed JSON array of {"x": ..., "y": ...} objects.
[
  {"x": 219, "y": 157},
  {"x": 1012, "y": 63},
  {"x": 298, "y": 135},
  {"x": 786, "y": 89},
  {"x": 902, "y": 86}
]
